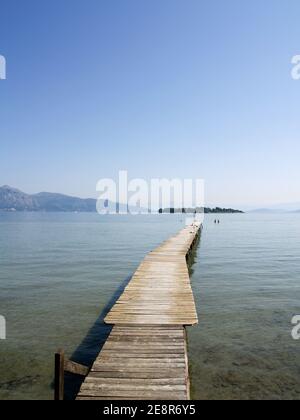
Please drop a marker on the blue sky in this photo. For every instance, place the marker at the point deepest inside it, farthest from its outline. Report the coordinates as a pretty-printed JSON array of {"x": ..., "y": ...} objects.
[{"x": 162, "y": 88}]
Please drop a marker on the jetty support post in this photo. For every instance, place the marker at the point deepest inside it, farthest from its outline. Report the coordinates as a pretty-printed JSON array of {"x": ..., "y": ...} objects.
[
  {"x": 61, "y": 365},
  {"x": 59, "y": 377}
]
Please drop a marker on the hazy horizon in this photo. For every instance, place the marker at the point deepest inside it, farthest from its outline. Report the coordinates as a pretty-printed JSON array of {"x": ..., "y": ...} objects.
[{"x": 293, "y": 206}]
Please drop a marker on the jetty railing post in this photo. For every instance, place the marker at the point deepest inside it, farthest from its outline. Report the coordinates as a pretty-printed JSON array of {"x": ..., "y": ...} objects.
[{"x": 59, "y": 378}]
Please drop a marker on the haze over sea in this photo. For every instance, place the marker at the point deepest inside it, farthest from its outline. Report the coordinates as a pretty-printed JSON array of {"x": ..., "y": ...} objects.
[{"x": 61, "y": 271}]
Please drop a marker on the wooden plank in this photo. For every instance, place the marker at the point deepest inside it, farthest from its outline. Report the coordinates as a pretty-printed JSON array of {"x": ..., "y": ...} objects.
[
  {"x": 133, "y": 395},
  {"x": 76, "y": 368},
  {"x": 98, "y": 385},
  {"x": 136, "y": 381},
  {"x": 150, "y": 375}
]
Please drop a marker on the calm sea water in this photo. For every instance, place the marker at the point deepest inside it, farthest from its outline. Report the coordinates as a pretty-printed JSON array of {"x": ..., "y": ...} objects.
[{"x": 59, "y": 274}]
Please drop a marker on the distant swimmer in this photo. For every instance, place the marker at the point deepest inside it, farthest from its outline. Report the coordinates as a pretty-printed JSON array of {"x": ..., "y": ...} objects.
[{"x": 218, "y": 222}]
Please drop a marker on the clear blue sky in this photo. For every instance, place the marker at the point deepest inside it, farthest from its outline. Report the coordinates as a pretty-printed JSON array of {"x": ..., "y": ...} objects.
[{"x": 163, "y": 88}]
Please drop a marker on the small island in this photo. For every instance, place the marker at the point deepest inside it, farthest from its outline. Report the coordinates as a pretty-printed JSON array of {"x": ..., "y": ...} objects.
[{"x": 206, "y": 210}]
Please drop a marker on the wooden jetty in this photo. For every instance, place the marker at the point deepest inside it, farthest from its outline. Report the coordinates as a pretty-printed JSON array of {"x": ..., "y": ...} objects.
[{"x": 145, "y": 356}]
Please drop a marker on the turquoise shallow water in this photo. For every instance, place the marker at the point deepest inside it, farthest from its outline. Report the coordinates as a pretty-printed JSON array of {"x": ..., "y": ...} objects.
[{"x": 60, "y": 272}]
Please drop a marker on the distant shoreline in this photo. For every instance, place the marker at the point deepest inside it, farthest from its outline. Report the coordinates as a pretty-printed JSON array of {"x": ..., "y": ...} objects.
[
  {"x": 14, "y": 200},
  {"x": 206, "y": 210}
]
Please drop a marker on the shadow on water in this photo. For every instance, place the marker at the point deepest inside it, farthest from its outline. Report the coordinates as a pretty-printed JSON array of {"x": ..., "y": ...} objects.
[
  {"x": 193, "y": 255},
  {"x": 89, "y": 348}
]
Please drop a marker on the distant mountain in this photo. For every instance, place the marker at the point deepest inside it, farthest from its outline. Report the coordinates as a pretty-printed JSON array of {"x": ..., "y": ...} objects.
[
  {"x": 273, "y": 211},
  {"x": 287, "y": 207},
  {"x": 267, "y": 211},
  {"x": 59, "y": 202},
  {"x": 12, "y": 199}
]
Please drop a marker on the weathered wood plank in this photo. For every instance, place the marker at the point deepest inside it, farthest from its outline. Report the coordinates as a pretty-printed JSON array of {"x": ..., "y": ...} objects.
[{"x": 76, "y": 368}]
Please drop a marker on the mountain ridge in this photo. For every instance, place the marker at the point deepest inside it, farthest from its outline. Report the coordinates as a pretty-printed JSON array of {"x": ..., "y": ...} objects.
[{"x": 12, "y": 199}]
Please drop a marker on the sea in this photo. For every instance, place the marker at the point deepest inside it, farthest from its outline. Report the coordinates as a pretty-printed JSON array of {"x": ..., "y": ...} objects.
[{"x": 61, "y": 272}]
